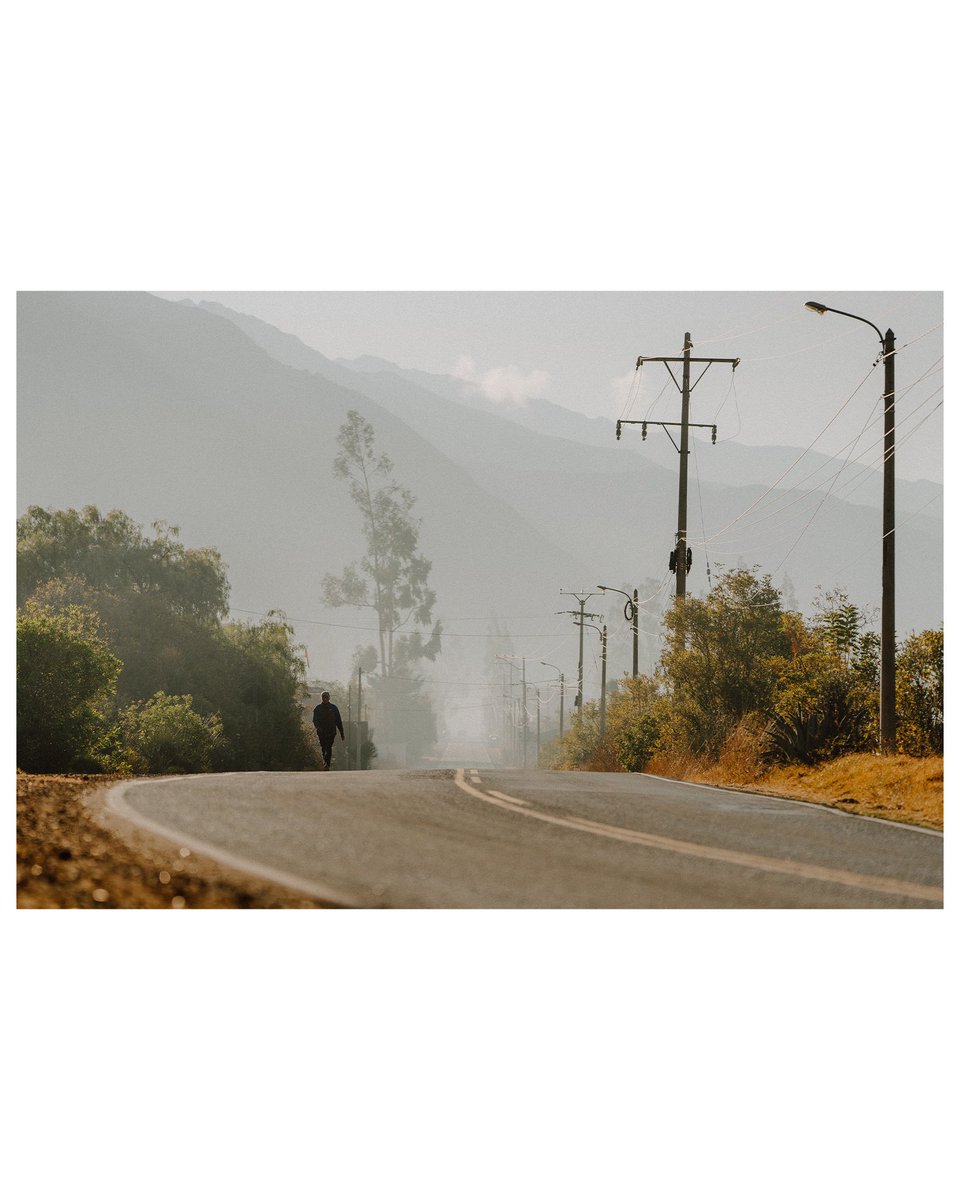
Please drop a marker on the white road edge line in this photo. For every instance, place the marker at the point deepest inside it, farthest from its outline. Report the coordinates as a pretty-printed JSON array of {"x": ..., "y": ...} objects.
[
  {"x": 756, "y": 862},
  {"x": 839, "y": 812},
  {"x": 116, "y": 802}
]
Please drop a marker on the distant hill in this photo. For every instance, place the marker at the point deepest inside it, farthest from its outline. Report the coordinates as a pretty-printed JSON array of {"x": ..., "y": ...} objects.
[
  {"x": 739, "y": 462},
  {"x": 170, "y": 412},
  {"x": 616, "y": 503},
  {"x": 225, "y": 426}
]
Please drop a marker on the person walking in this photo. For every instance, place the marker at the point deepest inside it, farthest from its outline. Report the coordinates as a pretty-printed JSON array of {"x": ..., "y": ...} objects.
[{"x": 326, "y": 721}]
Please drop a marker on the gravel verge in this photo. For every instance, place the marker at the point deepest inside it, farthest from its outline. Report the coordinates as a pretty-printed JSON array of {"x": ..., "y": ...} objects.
[{"x": 71, "y": 854}]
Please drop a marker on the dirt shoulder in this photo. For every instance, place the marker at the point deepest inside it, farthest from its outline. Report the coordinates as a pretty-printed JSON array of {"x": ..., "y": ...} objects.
[
  {"x": 70, "y": 854},
  {"x": 894, "y": 787}
]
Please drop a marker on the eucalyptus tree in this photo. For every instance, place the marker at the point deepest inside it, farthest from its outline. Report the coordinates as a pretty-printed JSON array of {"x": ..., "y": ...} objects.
[{"x": 392, "y": 577}]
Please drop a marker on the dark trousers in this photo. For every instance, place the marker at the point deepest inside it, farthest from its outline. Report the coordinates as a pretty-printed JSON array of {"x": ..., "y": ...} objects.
[{"x": 326, "y": 749}]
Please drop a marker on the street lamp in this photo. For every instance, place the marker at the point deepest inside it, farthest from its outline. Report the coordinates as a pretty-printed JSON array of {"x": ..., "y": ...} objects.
[
  {"x": 560, "y": 673},
  {"x": 631, "y": 613},
  {"x": 603, "y": 672},
  {"x": 888, "y": 631}
]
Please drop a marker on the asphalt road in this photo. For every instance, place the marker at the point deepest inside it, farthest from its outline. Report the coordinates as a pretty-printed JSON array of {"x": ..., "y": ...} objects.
[{"x": 481, "y": 837}]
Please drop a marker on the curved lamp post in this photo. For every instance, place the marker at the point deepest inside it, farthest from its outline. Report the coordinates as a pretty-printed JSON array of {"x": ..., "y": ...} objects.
[
  {"x": 631, "y": 610},
  {"x": 888, "y": 630}
]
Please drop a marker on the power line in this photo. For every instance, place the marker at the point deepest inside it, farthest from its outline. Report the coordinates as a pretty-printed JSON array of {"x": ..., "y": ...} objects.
[
  {"x": 373, "y": 629},
  {"x": 800, "y": 457},
  {"x": 833, "y": 458}
]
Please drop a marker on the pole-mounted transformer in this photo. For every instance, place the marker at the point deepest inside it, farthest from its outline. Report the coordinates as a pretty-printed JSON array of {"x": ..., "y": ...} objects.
[{"x": 674, "y": 560}]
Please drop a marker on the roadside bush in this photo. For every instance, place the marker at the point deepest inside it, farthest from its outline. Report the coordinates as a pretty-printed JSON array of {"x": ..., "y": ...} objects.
[
  {"x": 580, "y": 748},
  {"x": 635, "y": 722},
  {"x": 920, "y": 694},
  {"x": 66, "y": 679},
  {"x": 823, "y": 708},
  {"x": 166, "y": 736},
  {"x": 717, "y": 664}
]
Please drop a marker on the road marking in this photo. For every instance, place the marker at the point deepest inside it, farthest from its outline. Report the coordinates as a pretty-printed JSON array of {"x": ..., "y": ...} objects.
[
  {"x": 512, "y": 799},
  {"x": 810, "y": 804},
  {"x": 756, "y": 862},
  {"x": 115, "y": 800}
]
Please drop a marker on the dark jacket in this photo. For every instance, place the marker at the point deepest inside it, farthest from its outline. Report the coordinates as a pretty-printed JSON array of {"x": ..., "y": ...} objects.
[{"x": 326, "y": 720}]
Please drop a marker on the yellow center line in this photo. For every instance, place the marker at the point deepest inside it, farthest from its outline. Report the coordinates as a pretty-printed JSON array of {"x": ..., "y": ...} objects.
[
  {"x": 511, "y": 799},
  {"x": 756, "y": 862}
]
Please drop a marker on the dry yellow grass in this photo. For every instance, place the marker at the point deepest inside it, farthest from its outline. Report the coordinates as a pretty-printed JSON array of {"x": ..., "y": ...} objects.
[{"x": 895, "y": 787}]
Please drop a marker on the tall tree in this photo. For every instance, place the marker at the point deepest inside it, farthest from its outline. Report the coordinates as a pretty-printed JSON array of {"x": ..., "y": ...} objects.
[
  {"x": 392, "y": 577},
  {"x": 718, "y": 659}
]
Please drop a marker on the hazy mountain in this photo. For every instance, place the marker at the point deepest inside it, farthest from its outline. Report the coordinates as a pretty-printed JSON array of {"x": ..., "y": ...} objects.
[
  {"x": 226, "y": 427},
  {"x": 618, "y": 506},
  {"x": 739, "y": 462},
  {"x": 170, "y": 412}
]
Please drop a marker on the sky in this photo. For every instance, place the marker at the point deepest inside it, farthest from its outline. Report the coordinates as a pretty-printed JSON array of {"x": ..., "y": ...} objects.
[{"x": 578, "y": 349}]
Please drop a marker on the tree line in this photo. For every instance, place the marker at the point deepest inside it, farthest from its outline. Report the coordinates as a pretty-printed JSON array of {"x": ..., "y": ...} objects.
[
  {"x": 737, "y": 669},
  {"x": 125, "y": 661}
]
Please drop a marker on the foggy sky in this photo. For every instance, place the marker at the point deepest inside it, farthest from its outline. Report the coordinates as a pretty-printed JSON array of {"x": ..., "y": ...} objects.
[{"x": 579, "y": 349}]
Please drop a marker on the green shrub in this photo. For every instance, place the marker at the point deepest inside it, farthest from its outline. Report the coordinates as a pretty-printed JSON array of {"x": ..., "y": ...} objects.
[
  {"x": 66, "y": 678},
  {"x": 635, "y": 722},
  {"x": 920, "y": 694},
  {"x": 579, "y": 745},
  {"x": 166, "y": 736},
  {"x": 823, "y": 707}
]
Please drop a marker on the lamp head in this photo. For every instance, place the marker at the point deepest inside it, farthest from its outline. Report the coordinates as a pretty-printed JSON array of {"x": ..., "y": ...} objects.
[{"x": 817, "y": 307}]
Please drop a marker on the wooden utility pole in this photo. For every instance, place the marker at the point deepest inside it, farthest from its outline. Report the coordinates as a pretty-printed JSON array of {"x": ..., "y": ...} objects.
[
  {"x": 888, "y": 621},
  {"x": 359, "y": 714},
  {"x": 582, "y": 598},
  {"x": 680, "y": 558}
]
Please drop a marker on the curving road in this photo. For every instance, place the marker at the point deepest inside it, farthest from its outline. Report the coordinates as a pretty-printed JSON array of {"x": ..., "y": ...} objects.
[{"x": 483, "y": 837}]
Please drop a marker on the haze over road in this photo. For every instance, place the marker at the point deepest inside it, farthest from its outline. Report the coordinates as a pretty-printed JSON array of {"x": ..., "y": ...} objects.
[{"x": 469, "y": 837}]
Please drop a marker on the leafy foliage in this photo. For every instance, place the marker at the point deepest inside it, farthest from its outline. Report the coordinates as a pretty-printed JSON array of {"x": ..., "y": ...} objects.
[
  {"x": 717, "y": 664},
  {"x": 742, "y": 682},
  {"x": 256, "y": 684},
  {"x": 66, "y": 679},
  {"x": 635, "y": 722},
  {"x": 920, "y": 694},
  {"x": 580, "y": 745},
  {"x": 112, "y": 556},
  {"x": 392, "y": 577},
  {"x": 159, "y": 608},
  {"x": 166, "y": 735}
]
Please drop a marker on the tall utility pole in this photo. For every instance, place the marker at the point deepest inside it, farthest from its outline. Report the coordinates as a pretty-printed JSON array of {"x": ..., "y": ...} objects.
[
  {"x": 888, "y": 578},
  {"x": 522, "y": 715},
  {"x": 680, "y": 557},
  {"x": 359, "y": 713},
  {"x": 524, "y": 712},
  {"x": 578, "y": 620},
  {"x": 888, "y": 623},
  {"x": 582, "y": 598},
  {"x": 603, "y": 670}
]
